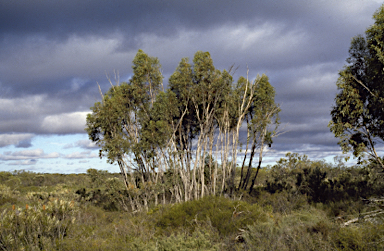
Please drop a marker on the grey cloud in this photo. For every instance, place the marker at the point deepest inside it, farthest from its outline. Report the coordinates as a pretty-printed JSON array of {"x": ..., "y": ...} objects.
[
  {"x": 61, "y": 18},
  {"x": 24, "y": 144},
  {"x": 42, "y": 114},
  {"x": 19, "y": 140}
]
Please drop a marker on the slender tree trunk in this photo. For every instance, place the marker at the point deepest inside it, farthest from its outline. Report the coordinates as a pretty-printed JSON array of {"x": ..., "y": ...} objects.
[
  {"x": 246, "y": 178},
  {"x": 123, "y": 173},
  {"x": 260, "y": 160},
  {"x": 245, "y": 157},
  {"x": 211, "y": 183}
]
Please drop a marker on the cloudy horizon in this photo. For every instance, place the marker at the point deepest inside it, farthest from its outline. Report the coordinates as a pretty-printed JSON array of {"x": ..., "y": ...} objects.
[{"x": 54, "y": 53}]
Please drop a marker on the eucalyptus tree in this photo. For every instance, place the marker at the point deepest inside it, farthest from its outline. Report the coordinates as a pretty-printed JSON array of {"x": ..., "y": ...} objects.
[
  {"x": 120, "y": 122},
  {"x": 241, "y": 101},
  {"x": 358, "y": 116},
  {"x": 262, "y": 123},
  {"x": 201, "y": 90}
]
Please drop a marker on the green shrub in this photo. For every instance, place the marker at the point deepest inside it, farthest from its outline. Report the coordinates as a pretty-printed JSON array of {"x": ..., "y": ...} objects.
[
  {"x": 199, "y": 240},
  {"x": 7, "y": 195},
  {"x": 301, "y": 230},
  {"x": 36, "y": 228},
  {"x": 224, "y": 214},
  {"x": 283, "y": 202},
  {"x": 97, "y": 176},
  {"x": 4, "y": 176},
  {"x": 365, "y": 236},
  {"x": 311, "y": 229}
]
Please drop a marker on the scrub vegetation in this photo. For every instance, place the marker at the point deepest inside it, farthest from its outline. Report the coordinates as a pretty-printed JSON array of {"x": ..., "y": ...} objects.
[{"x": 297, "y": 204}]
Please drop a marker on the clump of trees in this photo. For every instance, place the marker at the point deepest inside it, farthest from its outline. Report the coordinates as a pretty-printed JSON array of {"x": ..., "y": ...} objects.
[{"x": 182, "y": 142}]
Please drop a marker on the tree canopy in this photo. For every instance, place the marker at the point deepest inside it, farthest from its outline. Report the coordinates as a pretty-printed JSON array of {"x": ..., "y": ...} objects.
[{"x": 358, "y": 115}]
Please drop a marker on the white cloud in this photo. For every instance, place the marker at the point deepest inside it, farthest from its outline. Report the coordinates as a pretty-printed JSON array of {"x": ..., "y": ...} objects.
[
  {"x": 28, "y": 155},
  {"x": 87, "y": 144},
  {"x": 24, "y": 163},
  {"x": 65, "y": 122},
  {"x": 81, "y": 155}
]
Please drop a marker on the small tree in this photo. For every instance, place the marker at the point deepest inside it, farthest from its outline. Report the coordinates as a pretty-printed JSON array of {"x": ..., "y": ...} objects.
[
  {"x": 120, "y": 122},
  {"x": 262, "y": 113}
]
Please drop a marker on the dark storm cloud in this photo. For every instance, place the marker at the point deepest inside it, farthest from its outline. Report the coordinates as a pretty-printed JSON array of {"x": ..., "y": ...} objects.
[
  {"x": 62, "y": 18},
  {"x": 45, "y": 45}
]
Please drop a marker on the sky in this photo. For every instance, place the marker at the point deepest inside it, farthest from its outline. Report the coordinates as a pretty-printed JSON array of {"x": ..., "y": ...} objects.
[{"x": 54, "y": 53}]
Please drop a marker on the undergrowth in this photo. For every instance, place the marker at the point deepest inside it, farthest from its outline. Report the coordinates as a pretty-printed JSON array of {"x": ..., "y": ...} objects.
[{"x": 38, "y": 214}]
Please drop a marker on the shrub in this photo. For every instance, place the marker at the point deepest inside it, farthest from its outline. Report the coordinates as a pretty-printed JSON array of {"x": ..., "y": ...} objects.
[
  {"x": 198, "y": 240},
  {"x": 301, "y": 230},
  {"x": 36, "y": 227},
  {"x": 364, "y": 236},
  {"x": 224, "y": 214},
  {"x": 7, "y": 195}
]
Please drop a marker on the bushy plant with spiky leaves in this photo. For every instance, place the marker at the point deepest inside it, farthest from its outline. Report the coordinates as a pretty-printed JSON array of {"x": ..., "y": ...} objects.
[{"x": 39, "y": 227}]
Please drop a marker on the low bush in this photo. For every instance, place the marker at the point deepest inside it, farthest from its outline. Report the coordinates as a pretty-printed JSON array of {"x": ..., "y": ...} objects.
[
  {"x": 301, "y": 230},
  {"x": 8, "y": 196},
  {"x": 224, "y": 214},
  {"x": 39, "y": 227}
]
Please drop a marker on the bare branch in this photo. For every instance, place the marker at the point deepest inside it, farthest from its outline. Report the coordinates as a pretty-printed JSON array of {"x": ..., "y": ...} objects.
[
  {"x": 101, "y": 93},
  {"x": 361, "y": 83}
]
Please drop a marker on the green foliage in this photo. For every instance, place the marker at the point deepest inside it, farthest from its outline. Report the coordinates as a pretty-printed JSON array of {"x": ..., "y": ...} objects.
[
  {"x": 111, "y": 125},
  {"x": 37, "y": 227},
  {"x": 321, "y": 182},
  {"x": 364, "y": 237},
  {"x": 97, "y": 176},
  {"x": 7, "y": 195},
  {"x": 357, "y": 117},
  {"x": 282, "y": 202},
  {"x": 301, "y": 230},
  {"x": 224, "y": 214},
  {"x": 310, "y": 229},
  {"x": 198, "y": 240},
  {"x": 261, "y": 116},
  {"x": 284, "y": 220},
  {"x": 111, "y": 197}
]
